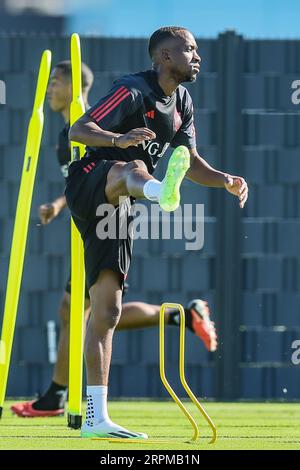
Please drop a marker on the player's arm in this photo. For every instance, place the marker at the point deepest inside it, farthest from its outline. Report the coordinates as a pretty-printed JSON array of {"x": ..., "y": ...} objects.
[
  {"x": 201, "y": 172},
  {"x": 87, "y": 132},
  {"x": 48, "y": 211},
  {"x": 98, "y": 127}
]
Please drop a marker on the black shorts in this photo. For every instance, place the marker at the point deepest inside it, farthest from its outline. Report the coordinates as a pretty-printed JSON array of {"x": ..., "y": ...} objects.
[{"x": 85, "y": 193}]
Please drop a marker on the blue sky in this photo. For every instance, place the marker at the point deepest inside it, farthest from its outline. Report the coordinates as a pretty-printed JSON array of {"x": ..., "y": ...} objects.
[{"x": 206, "y": 18}]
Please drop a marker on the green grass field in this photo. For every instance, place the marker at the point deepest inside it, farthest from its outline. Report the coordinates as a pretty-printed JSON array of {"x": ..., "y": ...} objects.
[{"x": 240, "y": 426}]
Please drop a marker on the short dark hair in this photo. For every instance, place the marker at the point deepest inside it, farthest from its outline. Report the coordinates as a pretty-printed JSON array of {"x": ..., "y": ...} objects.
[
  {"x": 161, "y": 35},
  {"x": 87, "y": 76}
]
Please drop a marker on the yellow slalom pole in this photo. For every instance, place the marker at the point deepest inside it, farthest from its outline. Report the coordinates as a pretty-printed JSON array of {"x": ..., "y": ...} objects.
[
  {"x": 77, "y": 260},
  {"x": 19, "y": 239},
  {"x": 181, "y": 371}
]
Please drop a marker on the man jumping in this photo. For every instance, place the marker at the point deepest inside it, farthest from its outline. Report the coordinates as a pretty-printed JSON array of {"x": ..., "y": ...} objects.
[
  {"x": 134, "y": 314},
  {"x": 141, "y": 110}
]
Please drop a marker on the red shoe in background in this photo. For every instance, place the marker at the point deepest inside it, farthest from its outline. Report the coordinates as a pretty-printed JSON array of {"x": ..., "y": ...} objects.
[
  {"x": 200, "y": 323},
  {"x": 25, "y": 410}
]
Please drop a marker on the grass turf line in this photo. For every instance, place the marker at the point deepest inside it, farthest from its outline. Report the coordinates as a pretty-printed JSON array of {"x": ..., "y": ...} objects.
[{"x": 239, "y": 425}]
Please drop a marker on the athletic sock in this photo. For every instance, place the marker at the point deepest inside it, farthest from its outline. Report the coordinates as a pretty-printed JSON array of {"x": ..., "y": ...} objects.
[
  {"x": 151, "y": 190},
  {"x": 96, "y": 404},
  {"x": 53, "y": 399},
  {"x": 174, "y": 318}
]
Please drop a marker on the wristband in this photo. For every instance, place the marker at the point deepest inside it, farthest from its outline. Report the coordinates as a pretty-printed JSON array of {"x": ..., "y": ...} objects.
[{"x": 113, "y": 140}]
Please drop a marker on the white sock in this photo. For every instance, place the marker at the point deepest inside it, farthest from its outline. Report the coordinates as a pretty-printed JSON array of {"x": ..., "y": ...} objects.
[
  {"x": 96, "y": 404},
  {"x": 151, "y": 190}
]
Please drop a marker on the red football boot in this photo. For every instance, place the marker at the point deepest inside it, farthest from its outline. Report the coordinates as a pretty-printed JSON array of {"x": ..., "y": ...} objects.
[
  {"x": 25, "y": 410},
  {"x": 198, "y": 321}
]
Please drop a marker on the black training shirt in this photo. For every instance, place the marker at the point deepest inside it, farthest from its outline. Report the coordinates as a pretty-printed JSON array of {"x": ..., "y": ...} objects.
[{"x": 135, "y": 101}]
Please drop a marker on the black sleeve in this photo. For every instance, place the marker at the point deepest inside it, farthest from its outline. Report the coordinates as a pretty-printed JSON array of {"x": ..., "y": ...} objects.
[
  {"x": 112, "y": 109},
  {"x": 186, "y": 134}
]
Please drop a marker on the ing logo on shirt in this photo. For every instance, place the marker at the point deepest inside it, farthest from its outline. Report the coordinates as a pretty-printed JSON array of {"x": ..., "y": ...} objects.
[{"x": 153, "y": 148}]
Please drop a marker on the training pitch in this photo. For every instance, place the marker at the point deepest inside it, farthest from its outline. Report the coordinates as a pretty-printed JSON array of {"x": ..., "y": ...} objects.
[{"x": 239, "y": 426}]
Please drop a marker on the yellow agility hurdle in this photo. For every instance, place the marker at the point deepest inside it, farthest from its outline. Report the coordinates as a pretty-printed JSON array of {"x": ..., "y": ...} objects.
[
  {"x": 168, "y": 386},
  {"x": 181, "y": 370}
]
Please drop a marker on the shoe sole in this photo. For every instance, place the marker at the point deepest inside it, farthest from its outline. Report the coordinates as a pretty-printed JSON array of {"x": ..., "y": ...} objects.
[
  {"x": 208, "y": 341},
  {"x": 178, "y": 165},
  {"x": 24, "y": 414},
  {"x": 114, "y": 435},
  {"x": 107, "y": 436}
]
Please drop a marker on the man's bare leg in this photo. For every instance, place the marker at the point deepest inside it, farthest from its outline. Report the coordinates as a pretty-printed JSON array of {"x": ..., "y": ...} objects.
[
  {"x": 106, "y": 299},
  {"x": 126, "y": 179},
  {"x": 106, "y": 305},
  {"x": 197, "y": 319},
  {"x": 134, "y": 315},
  {"x": 133, "y": 179},
  {"x": 139, "y": 315},
  {"x": 61, "y": 368}
]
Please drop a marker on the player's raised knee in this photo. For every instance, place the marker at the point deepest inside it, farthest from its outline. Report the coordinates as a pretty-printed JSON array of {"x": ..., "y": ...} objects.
[{"x": 136, "y": 165}]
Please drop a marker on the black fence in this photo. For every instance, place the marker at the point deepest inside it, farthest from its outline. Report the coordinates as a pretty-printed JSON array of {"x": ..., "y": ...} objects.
[{"x": 248, "y": 269}]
